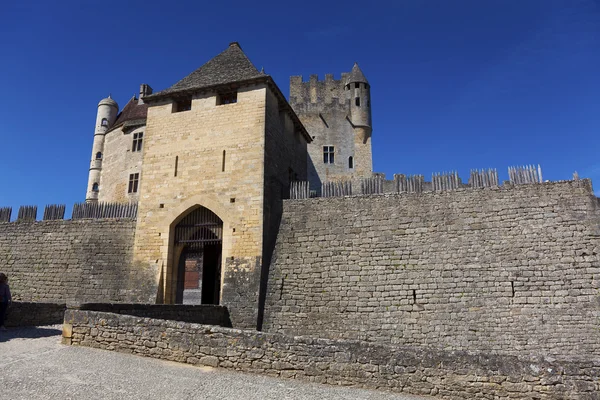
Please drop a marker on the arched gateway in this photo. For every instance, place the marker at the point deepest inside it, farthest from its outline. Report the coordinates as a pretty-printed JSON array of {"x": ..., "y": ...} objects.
[{"x": 196, "y": 265}]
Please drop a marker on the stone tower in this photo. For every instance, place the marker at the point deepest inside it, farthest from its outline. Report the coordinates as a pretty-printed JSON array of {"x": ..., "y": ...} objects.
[
  {"x": 105, "y": 118},
  {"x": 337, "y": 115}
]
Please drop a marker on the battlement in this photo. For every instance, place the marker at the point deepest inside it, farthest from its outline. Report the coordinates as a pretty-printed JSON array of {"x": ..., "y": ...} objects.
[{"x": 317, "y": 91}]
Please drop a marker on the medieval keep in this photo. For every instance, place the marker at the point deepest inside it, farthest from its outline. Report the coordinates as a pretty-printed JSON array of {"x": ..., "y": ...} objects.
[{"x": 209, "y": 161}]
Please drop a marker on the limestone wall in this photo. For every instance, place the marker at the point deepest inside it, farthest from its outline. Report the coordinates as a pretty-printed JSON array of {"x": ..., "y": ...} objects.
[
  {"x": 117, "y": 164},
  {"x": 73, "y": 260},
  {"x": 445, "y": 374},
  {"x": 508, "y": 270},
  {"x": 197, "y": 139}
]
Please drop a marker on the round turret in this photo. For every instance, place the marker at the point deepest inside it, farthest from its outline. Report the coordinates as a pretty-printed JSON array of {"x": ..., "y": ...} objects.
[
  {"x": 359, "y": 93},
  {"x": 106, "y": 116}
]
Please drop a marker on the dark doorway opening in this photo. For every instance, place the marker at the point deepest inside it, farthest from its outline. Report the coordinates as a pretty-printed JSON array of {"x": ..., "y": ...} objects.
[{"x": 198, "y": 248}]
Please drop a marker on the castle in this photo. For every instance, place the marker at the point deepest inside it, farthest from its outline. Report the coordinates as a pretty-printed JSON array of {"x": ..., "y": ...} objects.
[
  {"x": 210, "y": 159},
  {"x": 271, "y": 209},
  {"x": 334, "y": 116}
]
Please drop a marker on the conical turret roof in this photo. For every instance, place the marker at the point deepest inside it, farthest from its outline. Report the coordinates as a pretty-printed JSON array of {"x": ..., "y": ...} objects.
[
  {"x": 230, "y": 66},
  {"x": 356, "y": 75}
]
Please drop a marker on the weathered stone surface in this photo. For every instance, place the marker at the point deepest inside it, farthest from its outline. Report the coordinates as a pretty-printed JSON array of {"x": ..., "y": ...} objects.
[
  {"x": 73, "y": 260},
  {"x": 206, "y": 314},
  {"x": 511, "y": 270},
  {"x": 416, "y": 370}
]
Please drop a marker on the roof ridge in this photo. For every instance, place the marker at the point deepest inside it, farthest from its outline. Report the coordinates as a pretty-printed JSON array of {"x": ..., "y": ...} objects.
[{"x": 229, "y": 66}]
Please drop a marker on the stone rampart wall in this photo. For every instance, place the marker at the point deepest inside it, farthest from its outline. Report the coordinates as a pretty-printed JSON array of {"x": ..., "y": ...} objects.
[
  {"x": 35, "y": 314},
  {"x": 447, "y": 374},
  {"x": 73, "y": 260},
  {"x": 510, "y": 270}
]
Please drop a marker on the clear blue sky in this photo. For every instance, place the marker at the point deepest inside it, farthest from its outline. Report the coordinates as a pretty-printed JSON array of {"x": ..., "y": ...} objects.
[{"x": 455, "y": 84}]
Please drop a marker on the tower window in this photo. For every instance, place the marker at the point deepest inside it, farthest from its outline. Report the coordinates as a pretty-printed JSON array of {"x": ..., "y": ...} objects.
[
  {"x": 226, "y": 98},
  {"x": 350, "y": 162},
  {"x": 95, "y": 187},
  {"x": 328, "y": 154},
  {"x": 137, "y": 141},
  {"x": 133, "y": 183},
  {"x": 104, "y": 122},
  {"x": 357, "y": 101},
  {"x": 182, "y": 105},
  {"x": 98, "y": 156},
  {"x": 223, "y": 165},
  {"x": 356, "y": 85}
]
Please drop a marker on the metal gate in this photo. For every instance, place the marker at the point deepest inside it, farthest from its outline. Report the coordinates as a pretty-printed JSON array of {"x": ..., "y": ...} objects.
[{"x": 198, "y": 228}]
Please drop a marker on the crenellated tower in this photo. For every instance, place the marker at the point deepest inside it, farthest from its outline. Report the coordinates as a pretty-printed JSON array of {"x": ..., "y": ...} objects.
[
  {"x": 337, "y": 115},
  {"x": 105, "y": 118}
]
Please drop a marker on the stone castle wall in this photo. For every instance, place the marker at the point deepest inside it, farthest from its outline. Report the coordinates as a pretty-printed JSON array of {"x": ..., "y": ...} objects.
[
  {"x": 324, "y": 108},
  {"x": 509, "y": 270},
  {"x": 73, "y": 260},
  {"x": 119, "y": 161},
  {"x": 197, "y": 141}
]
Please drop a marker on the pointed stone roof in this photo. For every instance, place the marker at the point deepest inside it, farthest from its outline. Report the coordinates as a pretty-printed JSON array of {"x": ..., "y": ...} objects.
[
  {"x": 356, "y": 75},
  {"x": 230, "y": 66}
]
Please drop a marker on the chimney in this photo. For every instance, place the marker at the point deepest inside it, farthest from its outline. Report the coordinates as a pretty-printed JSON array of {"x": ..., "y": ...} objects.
[{"x": 145, "y": 90}]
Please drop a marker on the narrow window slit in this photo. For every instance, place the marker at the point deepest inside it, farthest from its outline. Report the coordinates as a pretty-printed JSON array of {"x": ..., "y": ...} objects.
[
  {"x": 223, "y": 167},
  {"x": 176, "y": 165},
  {"x": 414, "y": 296},
  {"x": 281, "y": 289},
  {"x": 512, "y": 287}
]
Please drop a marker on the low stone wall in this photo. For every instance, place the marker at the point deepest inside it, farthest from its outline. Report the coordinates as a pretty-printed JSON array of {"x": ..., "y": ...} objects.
[
  {"x": 415, "y": 370},
  {"x": 199, "y": 314},
  {"x": 35, "y": 314}
]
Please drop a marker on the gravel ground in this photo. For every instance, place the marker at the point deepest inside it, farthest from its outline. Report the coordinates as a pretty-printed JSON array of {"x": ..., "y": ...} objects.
[{"x": 34, "y": 365}]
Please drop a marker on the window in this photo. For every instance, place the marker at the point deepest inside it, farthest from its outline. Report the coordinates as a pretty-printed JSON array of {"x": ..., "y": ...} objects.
[
  {"x": 133, "y": 183},
  {"x": 357, "y": 101},
  {"x": 95, "y": 187},
  {"x": 137, "y": 141},
  {"x": 227, "y": 98},
  {"x": 350, "y": 162},
  {"x": 104, "y": 122},
  {"x": 98, "y": 156},
  {"x": 223, "y": 166},
  {"x": 182, "y": 105},
  {"x": 356, "y": 85},
  {"x": 328, "y": 154}
]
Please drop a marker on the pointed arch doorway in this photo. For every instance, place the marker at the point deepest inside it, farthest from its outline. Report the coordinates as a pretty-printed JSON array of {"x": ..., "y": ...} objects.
[{"x": 196, "y": 266}]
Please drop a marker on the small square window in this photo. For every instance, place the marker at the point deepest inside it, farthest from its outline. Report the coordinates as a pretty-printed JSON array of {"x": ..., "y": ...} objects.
[
  {"x": 181, "y": 105},
  {"x": 328, "y": 154},
  {"x": 226, "y": 98},
  {"x": 357, "y": 85},
  {"x": 133, "y": 183}
]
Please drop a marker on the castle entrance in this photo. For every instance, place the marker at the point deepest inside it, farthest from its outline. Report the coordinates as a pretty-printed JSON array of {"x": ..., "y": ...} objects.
[{"x": 196, "y": 271}]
